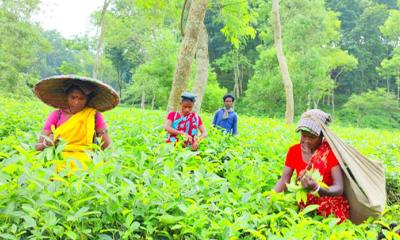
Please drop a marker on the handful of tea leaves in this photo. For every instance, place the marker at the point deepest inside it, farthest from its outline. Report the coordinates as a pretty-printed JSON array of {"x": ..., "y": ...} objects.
[{"x": 295, "y": 185}]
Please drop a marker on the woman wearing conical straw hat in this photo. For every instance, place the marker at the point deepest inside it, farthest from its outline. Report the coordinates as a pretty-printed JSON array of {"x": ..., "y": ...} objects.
[{"x": 77, "y": 118}]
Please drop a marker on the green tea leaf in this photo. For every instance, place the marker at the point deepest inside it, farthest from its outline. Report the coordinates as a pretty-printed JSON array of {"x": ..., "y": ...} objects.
[
  {"x": 169, "y": 219},
  {"x": 310, "y": 208}
]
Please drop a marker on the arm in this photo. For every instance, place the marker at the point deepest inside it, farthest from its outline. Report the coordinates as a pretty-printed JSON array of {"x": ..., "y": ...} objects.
[
  {"x": 235, "y": 120},
  {"x": 203, "y": 131},
  {"x": 43, "y": 142},
  {"x": 103, "y": 134},
  {"x": 214, "y": 122},
  {"x": 285, "y": 178},
  {"x": 203, "y": 135},
  {"x": 102, "y": 131},
  {"x": 46, "y": 137},
  {"x": 336, "y": 189}
]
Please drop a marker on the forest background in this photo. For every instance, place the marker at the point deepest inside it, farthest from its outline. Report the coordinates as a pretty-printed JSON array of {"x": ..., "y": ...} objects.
[{"x": 343, "y": 56}]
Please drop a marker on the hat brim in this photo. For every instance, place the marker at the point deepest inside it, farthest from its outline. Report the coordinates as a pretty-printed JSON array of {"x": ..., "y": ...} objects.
[
  {"x": 306, "y": 129},
  {"x": 52, "y": 92}
]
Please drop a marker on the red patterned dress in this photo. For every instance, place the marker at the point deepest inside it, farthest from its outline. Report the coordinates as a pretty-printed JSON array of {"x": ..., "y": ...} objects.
[
  {"x": 188, "y": 124},
  {"x": 322, "y": 160}
]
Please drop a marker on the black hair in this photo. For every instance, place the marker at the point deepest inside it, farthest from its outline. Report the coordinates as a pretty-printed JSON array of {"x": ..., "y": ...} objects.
[
  {"x": 229, "y": 96},
  {"x": 187, "y": 99},
  {"x": 74, "y": 87}
]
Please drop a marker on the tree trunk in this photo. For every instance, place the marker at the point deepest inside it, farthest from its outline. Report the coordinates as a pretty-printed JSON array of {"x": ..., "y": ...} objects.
[
  {"x": 316, "y": 103},
  {"x": 289, "y": 114},
  {"x": 238, "y": 75},
  {"x": 388, "y": 85},
  {"x": 96, "y": 66},
  {"x": 181, "y": 75},
  {"x": 153, "y": 101},
  {"x": 398, "y": 93},
  {"x": 200, "y": 83},
  {"x": 143, "y": 100},
  {"x": 333, "y": 101},
  {"x": 333, "y": 90},
  {"x": 398, "y": 89},
  {"x": 119, "y": 81},
  {"x": 308, "y": 101}
]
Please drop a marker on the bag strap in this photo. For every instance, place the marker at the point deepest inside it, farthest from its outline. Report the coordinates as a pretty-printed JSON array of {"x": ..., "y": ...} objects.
[
  {"x": 59, "y": 112},
  {"x": 95, "y": 120}
]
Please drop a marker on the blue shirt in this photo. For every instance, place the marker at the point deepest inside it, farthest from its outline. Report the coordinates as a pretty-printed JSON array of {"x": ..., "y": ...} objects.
[{"x": 229, "y": 124}]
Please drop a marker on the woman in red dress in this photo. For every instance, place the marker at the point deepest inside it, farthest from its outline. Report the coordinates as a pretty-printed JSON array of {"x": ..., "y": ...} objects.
[{"x": 313, "y": 152}]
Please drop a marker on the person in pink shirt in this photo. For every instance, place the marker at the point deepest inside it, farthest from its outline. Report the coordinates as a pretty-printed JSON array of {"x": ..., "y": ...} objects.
[{"x": 77, "y": 119}]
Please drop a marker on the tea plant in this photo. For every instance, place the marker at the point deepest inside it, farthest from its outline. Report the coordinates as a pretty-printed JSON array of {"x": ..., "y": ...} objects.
[{"x": 143, "y": 188}]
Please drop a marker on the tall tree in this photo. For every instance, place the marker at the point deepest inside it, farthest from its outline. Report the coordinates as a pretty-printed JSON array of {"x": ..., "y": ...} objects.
[
  {"x": 187, "y": 51},
  {"x": 339, "y": 61},
  {"x": 232, "y": 42},
  {"x": 200, "y": 82},
  {"x": 311, "y": 35},
  {"x": 99, "y": 49},
  {"x": 289, "y": 114},
  {"x": 361, "y": 37},
  {"x": 21, "y": 42},
  {"x": 389, "y": 68}
]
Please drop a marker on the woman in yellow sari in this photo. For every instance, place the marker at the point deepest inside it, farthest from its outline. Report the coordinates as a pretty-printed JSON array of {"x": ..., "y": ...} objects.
[{"x": 77, "y": 119}]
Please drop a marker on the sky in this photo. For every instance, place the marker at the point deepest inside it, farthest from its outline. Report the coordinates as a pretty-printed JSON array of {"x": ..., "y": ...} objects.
[{"x": 69, "y": 17}]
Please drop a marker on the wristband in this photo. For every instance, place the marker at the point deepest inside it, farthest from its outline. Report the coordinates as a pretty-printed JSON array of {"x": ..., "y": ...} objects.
[{"x": 316, "y": 190}]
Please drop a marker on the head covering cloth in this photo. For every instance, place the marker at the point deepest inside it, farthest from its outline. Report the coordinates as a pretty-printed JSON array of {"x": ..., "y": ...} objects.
[{"x": 308, "y": 121}]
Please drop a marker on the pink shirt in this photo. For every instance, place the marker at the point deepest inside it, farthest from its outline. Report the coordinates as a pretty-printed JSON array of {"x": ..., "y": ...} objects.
[{"x": 53, "y": 119}]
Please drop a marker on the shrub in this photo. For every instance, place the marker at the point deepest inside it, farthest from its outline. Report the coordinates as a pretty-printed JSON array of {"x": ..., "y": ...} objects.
[{"x": 377, "y": 109}]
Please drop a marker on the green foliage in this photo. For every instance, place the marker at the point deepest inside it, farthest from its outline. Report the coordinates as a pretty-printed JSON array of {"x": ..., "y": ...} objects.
[
  {"x": 236, "y": 18},
  {"x": 213, "y": 96},
  {"x": 265, "y": 92},
  {"x": 390, "y": 28},
  {"x": 390, "y": 67},
  {"x": 228, "y": 62},
  {"x": 364, "y": 41},
  {"x": 153, "y": 79},
  {"x": 310, "y": 38},
  {"x": 372, "y": 109},
  {"x": 342, "y": 46},
  {"x": 147, "y": 189},
  {"x": 19, "y": 46}
]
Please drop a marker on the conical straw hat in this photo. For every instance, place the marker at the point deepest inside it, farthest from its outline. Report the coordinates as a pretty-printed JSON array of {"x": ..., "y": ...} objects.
[{"x": 52, "y": 91}]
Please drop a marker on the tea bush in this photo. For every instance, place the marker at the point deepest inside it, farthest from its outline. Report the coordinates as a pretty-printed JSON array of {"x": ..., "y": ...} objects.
[{"x": 143, "y": 188}]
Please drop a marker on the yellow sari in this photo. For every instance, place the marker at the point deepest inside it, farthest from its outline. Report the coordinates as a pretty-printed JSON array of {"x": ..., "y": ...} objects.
[{"x": 78, "y": 131}]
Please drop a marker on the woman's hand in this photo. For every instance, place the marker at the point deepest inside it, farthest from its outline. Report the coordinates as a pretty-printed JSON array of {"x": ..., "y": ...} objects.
[
  {"x": 308, "y": 183},
  {"x": 50, "y": 141},
  {"x": 195, "y": 145},
  {"x": 187, "y": 137},
  {"x": 45, "y": 140}
]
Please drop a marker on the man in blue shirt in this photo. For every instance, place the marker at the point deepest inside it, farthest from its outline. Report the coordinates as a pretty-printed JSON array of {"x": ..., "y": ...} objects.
[{"x": 226, "y": 118}]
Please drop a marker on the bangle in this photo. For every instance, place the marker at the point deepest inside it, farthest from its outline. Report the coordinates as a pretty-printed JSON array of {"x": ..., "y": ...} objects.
[{"x": 316, "y": 190}]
